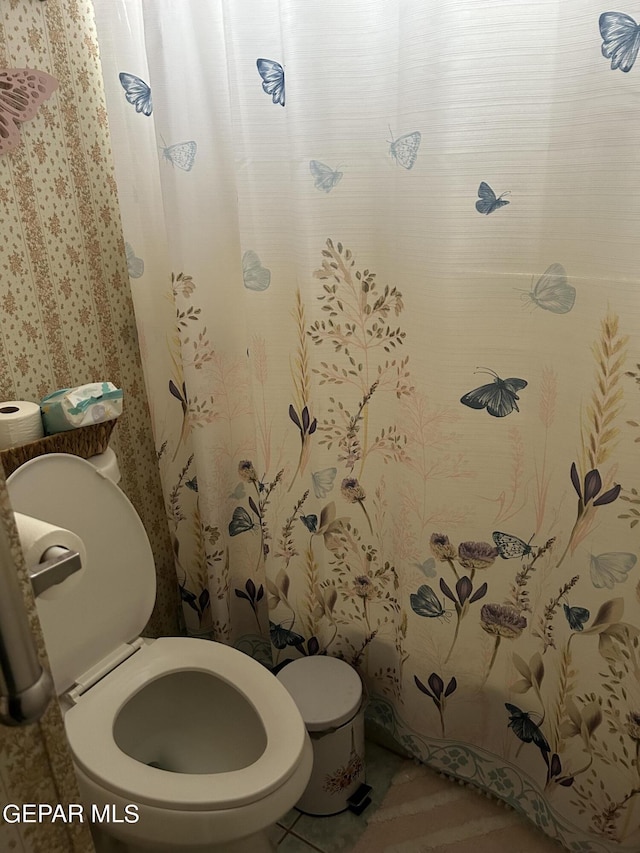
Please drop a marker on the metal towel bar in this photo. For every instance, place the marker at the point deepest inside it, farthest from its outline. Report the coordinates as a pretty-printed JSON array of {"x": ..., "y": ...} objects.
[{"x": 25, "y": 687}]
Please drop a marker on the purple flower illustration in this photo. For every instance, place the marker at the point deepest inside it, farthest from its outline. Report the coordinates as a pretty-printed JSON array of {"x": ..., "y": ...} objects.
[
  {"x": 476, "y": 555},
  {"x": 437, "y": 692},
  {"x": 462, "y": 598},
  {"x": 589, "y": 499}
]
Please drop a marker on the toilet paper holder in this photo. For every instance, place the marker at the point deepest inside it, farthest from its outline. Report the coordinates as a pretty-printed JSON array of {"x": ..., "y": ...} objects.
[{"x": 56, "y": 565}]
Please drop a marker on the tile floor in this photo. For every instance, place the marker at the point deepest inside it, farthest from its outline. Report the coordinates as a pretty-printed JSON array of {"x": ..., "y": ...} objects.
[{"x": 298, "y": 833}]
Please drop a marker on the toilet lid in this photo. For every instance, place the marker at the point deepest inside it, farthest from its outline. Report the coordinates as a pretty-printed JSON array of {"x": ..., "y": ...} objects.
[{"x": 109, "y": 601}]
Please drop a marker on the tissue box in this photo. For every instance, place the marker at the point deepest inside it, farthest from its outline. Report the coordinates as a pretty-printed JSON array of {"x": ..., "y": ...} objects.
[{"x": 71, "y": 408}]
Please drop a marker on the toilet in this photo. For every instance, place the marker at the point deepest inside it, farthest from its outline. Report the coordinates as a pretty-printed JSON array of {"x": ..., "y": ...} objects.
[{"x": 184, "y": 744}]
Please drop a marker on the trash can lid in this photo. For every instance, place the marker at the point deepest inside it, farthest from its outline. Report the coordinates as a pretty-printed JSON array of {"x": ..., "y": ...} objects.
[{"x": 326, "y": 690}]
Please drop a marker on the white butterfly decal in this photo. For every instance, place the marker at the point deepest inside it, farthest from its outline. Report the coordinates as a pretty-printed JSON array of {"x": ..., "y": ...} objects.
[
  {"x": 135, "y": 265},
  {"x": 238, "y": 493},
  {"x": 405, "y": 149},
  {"x": 22, "y": 91},
  {"x": 553, "y": 292},
  {"x": 325, "y": 178},
  {"x": 255, "y": 276},
  {"x": 323, "y": 481},
  {"x": 428, "y": 568},
  {"x": 182, "y": 155},
  {"x": 610, "y": 568}
]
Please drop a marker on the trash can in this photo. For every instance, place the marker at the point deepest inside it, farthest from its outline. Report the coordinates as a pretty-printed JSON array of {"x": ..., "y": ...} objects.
[{"x": 328, "y": 693}]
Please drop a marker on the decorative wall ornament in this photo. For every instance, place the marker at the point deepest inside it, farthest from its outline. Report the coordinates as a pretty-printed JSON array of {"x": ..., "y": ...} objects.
[{"x": 22, "y": 91}]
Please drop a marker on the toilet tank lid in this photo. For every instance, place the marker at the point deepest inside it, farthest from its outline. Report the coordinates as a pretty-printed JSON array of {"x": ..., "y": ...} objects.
[
  {"x": 327, "y": 691},
  {"x": 108, "y": 602}
]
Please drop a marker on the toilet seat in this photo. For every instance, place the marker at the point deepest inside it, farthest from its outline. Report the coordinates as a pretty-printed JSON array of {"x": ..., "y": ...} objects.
[
  {"x": 89, "y": 727},
  {"x": 83, "y": 619}
]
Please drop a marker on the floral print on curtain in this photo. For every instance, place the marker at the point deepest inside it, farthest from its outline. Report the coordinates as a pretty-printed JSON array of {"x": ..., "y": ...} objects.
[{"x": 391, "y": 347}]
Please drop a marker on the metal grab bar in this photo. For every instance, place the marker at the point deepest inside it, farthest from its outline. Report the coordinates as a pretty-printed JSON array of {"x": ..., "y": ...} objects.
[{"x": 25, "y": 687}]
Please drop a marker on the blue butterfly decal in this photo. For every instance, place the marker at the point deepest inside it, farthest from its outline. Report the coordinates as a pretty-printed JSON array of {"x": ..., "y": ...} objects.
[
  {"x": 192, "y": 484},
  {"x": 323, "y": 481},
  {"x": 135, "y": 266},
  {"x": 499, "y": 397},
  {"x": 282, "y": 637},
  {"x": 241, "y": 522},
  {"x": 525, "y": 729},
  {"x": 488, "y": 202},
  {"x": 182, "y": 155},
  {"x": 137, "y": 93},
  {"x": 428, "y": 568},
  {"x": 325, "y": 178},
  {"x": 610, "y": 568},
  {"x": 620, "y": 39},
  {"x": 552, "y": 291},
  {"x": 310, "y": 522},
  {"x": 255, "y": 276},
  {"x": 576, "y": 616},
  {"x": 510, "y": 546},
  {"x": 405, "y": 149},
  {"x": 272, "y": 74},
  {"x": 426, "y": 603}
]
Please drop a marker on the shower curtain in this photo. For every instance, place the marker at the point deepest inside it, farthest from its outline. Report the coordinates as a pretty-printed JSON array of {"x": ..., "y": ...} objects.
[{"x": 384, "y": 260}]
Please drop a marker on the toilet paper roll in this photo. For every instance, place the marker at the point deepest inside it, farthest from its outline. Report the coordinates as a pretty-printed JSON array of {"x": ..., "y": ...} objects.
[
  {"x": 36, "y": 536},
  {"x": 20, "y": 423}
]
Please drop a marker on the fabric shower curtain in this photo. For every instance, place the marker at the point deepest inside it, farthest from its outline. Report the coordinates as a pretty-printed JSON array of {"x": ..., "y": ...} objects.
[{"x": 384, "y": 258}]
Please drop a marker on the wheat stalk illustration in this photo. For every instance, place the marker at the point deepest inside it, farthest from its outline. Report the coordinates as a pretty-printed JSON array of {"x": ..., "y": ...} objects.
[{"x": 598, "y": 431}]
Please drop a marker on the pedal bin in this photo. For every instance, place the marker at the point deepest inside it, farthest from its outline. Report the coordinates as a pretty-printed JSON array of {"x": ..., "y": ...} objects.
[{"x": 329, "y": 695}]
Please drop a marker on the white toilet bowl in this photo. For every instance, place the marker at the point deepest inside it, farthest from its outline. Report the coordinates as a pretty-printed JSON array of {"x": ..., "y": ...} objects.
[{"x": 204, "y": 742}]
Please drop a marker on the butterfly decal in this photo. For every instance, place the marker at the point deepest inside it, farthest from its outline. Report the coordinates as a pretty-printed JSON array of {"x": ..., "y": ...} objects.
[
  {"x": 426, "y": 603},
  {"x": 255, "y": 276},
  {"x": 553, "y": 292},
  {"x": 487, "y": 201},
  {"x": 22, "y": 91},
  {"x": 405, "y": 149},
  {"x": 499, "y": 397},
  {"x": 192, "y": 484},
  {"x": 525, "y": 729},
  {"x": 428, "y": 568},
  {"x": 238, "y": 493},
  {"x": 576, "y": 616},
  {"x": 620, "y": 39},
  {"x": 135, "y": 266},
  {"x": 137, "y": 92},
  {"x": 323, "y": 481},
  {"x": 610, "y": 568},
  {"x": 282, "y": 637},
  {"x": 310, "y": 522},
  {"x": 272, "y": 74},
  {"x": 325, "y": 178},
  {"x": 182, "y": 154},
  {"x": 510, "y": 546},
  {"x": 241, "y": 522}
]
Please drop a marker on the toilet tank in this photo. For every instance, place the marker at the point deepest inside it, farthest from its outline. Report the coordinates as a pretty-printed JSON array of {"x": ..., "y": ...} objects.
[{"x": 107, "y": 464}]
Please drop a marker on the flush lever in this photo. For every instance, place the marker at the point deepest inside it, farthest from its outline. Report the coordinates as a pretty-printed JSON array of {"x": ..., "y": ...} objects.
[{"x": 56, "y": 565}]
